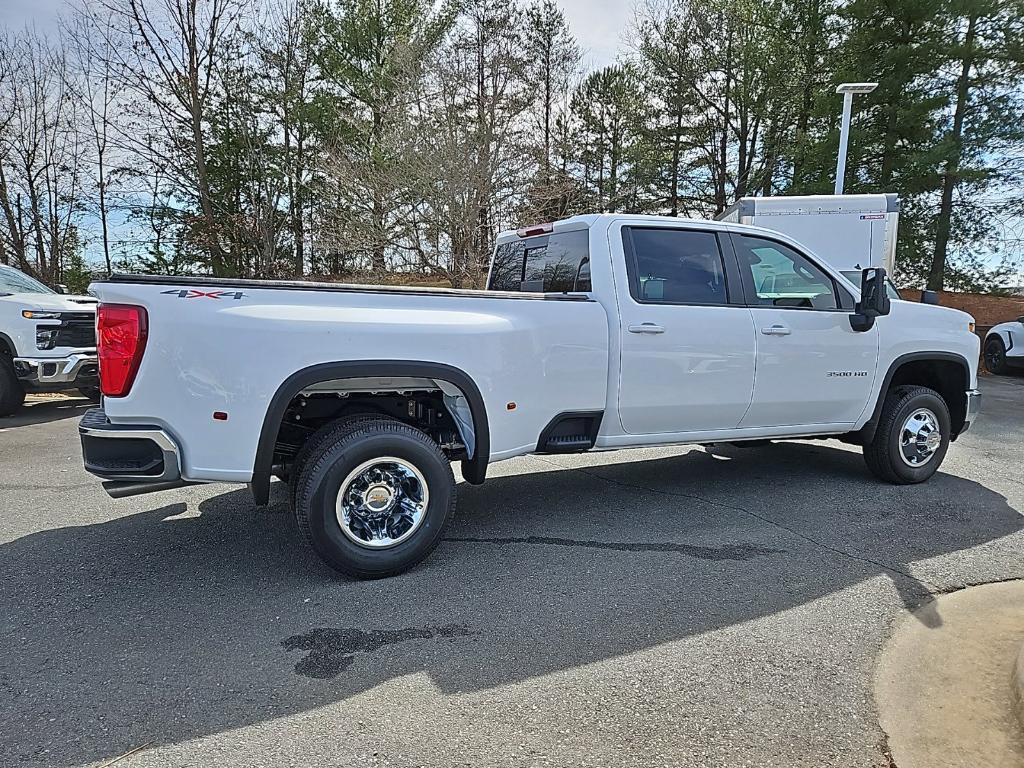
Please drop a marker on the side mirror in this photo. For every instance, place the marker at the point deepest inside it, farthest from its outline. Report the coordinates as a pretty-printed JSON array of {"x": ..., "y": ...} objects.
[
  {"x": 874, "y": 301},
  {"x": 61, "y": 288},
  {"x": 930, "y": 297}
]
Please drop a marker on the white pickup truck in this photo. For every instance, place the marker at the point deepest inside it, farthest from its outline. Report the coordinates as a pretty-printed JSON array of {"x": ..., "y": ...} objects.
[
  {"x": 47, "y": 341},
  {"x": 595, "y": 333}
]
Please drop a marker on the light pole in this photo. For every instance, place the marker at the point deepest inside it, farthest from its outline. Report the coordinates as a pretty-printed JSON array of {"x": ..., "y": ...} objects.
[{"x": 847, "y": 89}]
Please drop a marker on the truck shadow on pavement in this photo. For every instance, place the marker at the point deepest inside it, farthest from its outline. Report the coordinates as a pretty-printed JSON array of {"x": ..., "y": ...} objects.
[
  {"x": 42, "y": 411},
  {"x": 169, "y": 625}
]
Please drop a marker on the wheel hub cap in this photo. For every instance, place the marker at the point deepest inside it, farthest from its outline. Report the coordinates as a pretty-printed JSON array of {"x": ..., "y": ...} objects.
[
  {"x": 920, "y": 438},
  {"x": 382, "y": 502}
]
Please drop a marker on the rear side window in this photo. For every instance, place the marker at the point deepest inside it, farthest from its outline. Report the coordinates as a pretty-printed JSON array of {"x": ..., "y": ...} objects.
[
  {"x": 675, "y": 266},
  {"x": 555, "y": 263}
]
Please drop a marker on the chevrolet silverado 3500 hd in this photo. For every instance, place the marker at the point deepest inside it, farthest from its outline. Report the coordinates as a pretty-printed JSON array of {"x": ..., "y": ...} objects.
[{"x": 594, "y": 333}]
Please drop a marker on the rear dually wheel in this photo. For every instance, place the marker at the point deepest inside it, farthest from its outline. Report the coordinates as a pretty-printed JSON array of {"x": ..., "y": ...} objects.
[{"x": 374, "y": 496}]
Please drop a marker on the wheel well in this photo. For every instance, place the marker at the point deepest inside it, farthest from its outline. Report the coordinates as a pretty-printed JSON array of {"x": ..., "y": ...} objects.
[
  {"x": 439, "y": 399},
  {"x": 949, "y": 377},
  {"x": 6, "y": 346},
  {"x": 421, "y": 405}
]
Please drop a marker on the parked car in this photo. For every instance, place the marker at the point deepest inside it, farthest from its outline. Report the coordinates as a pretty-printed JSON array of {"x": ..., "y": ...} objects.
[
  {"x": 1004, "y": 347},
  {"x": 47, "y": 341},
  {"x": 594, "y": 333}
]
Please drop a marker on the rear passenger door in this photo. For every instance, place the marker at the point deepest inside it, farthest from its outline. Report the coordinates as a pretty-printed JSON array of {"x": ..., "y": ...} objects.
[{"x": 686, "y": 340}]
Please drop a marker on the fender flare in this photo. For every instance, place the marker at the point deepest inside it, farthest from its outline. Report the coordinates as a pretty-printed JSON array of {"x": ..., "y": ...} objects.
[
  {"x": 473, "y": 470},
  {"x": 7, "y": 341},
  {"x": 868, "y": 430},
  {"x": 1003, "y": 334}
]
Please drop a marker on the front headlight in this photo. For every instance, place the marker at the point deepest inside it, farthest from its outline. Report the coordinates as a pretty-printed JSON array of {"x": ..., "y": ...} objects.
[
  {"x": 46, "y": 338},
  {"x": 37, "y": 314}
]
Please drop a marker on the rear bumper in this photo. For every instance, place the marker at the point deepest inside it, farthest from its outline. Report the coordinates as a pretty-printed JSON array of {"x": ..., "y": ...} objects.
[
  {"x": 973, "y": 409},
  {"x": 129, "y": 458},
  {"x": 76, "y": 370}
]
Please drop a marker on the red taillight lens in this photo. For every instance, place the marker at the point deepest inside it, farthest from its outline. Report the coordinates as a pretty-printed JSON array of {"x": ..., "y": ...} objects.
[{"x": 121, "y": 331}]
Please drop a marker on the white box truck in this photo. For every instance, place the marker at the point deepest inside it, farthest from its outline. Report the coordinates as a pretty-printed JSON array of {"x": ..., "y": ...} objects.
[{"x": 851, "y": 232}]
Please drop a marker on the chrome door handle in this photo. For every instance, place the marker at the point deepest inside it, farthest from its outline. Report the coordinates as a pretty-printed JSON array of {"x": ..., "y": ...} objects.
[
  {"x": 646, "y": 328},
  {"x": 776, "y": 330}
]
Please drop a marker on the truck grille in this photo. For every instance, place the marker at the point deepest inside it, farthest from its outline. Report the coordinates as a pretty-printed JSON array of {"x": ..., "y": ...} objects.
[{"x": 77, "y": 329}]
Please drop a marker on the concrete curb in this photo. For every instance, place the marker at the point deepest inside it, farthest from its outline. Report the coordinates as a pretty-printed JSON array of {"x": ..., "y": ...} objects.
[{"x": 1017, "y": 683}]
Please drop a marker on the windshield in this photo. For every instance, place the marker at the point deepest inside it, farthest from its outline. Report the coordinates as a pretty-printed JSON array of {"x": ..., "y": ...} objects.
[
  {"x": 13, "y": 281},
  {"x": 854, "y": 277}
]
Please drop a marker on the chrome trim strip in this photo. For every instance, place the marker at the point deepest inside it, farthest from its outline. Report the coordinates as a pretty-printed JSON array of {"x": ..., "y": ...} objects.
[
  {"x": 973, "y": 409},
  {"x": 68, "y": 367}
]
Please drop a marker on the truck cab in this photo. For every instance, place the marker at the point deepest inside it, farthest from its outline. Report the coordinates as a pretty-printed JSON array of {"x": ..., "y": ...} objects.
[{"x": 47, "y": 341}]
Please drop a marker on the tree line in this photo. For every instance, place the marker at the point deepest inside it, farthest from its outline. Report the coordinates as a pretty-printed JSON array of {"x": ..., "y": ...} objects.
[{"x": 391, "y": 140}]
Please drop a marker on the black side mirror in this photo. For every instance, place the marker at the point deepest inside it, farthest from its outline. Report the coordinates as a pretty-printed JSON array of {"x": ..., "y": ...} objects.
[
  {"x": 874, "y": 301},
  {"x": 61, "y": 288},
  {"x": 930, "y": 297}
]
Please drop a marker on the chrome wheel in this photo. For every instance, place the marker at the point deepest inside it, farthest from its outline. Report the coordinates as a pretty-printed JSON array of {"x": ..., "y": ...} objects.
[
  {"x": 382, "y": 502},
  {"x": 920, "y": 438}
]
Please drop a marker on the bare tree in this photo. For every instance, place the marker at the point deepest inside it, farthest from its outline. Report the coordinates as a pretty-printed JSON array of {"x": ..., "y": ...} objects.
[
  {"x": 41, "y": 157},
  {"x": 92, "y": 82},
  {"x": 173, "y": 51}
]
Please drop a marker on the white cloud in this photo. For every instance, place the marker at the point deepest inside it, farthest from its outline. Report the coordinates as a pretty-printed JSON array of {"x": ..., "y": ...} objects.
[
  {"x": 599, "y": 25},
  {"x": 15, "y": 14}
]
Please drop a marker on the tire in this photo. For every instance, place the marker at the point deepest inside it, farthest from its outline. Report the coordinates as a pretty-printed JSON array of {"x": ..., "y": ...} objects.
[
  {"x": 90, "y": 393},
  {"x": 12, "y": 394},
  {"x": 995, "y": 356},
  {"x": 334, "y": 430},
  {"x": 921, "y": 410},
  {"x": 374, "y": 461}
]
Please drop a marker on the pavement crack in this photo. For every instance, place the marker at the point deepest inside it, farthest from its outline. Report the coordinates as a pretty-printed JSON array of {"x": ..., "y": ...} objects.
[
  {"x": 933, "y": 588},
  {"x": 332, "y": 651},
  {"x": 740, "y": 552}
]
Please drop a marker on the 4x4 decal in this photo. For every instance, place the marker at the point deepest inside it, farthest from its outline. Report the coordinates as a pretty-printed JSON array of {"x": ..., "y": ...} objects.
[{"x": 191, "y": 293}]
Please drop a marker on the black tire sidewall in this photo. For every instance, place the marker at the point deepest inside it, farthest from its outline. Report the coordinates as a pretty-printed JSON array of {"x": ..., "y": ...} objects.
[
  {"x": 12, "y": 394},
  {"x": 1000, "y": 367},
  {"x": 935, "y": 404},
  {"x": 320, "y": 491}
]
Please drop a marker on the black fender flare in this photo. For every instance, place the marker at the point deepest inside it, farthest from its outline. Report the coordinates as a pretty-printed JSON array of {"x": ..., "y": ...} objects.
[
  {"x": 867, "y": 432},
  {"x": 8, "y": 342},
  {"x": 473, "y": 470}
]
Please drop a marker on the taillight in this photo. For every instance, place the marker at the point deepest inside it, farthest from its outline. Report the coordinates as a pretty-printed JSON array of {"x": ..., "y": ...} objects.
[{"x": 121, "y": 331}]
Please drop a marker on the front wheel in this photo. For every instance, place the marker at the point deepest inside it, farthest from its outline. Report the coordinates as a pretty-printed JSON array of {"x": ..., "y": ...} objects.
[
  {"x": 995, "y": 356},
  {"x": 374, "y": 497},
  {"x": 912, "y": 436},
  {"x": 90, "y": 393},
  {"x": 12, "y": 394}
]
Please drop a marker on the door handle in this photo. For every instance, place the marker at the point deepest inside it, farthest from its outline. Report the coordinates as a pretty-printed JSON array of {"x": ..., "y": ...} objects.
[
  {"x": 776, "y": 330},
  {"x": 646, "y": 328}
]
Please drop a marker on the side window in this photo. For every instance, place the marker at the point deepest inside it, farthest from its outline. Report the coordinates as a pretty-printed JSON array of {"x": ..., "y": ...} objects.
[
  {"x": 781, "y": 277},
  {"x": 556, "y": 263},
  {"x": 507, "y": 267},
  {"x": 674, "y": 266}
]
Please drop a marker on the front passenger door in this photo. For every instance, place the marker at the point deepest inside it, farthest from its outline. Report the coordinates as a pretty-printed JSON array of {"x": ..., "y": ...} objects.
[{"x": 812, "y": 367}]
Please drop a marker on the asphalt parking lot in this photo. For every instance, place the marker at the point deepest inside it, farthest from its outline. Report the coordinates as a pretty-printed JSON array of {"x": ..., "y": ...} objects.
[{"x": 664, "y": 607}]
